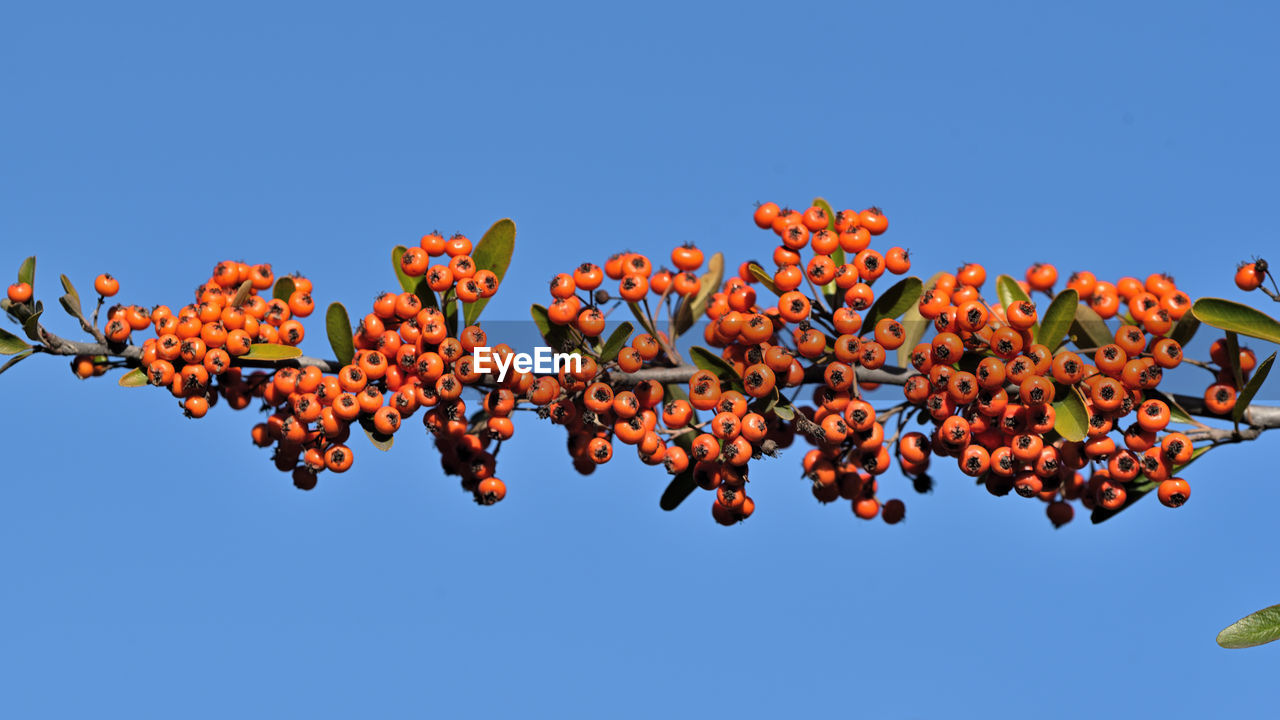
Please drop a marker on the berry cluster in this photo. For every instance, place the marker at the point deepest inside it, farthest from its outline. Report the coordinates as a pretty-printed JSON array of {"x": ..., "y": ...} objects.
[{"x": 988, "y": 380}]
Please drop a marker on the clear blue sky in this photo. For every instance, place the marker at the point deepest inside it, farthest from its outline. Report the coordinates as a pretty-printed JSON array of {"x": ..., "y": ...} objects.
[{"x": 154, "y": 567}]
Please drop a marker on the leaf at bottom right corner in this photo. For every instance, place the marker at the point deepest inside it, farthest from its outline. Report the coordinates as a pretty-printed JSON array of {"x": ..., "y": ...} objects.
[{"x": 1255, "y": 629}]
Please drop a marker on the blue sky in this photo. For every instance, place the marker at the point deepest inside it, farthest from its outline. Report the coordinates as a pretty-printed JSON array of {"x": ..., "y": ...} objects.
[{"x": 159, "y": 567}]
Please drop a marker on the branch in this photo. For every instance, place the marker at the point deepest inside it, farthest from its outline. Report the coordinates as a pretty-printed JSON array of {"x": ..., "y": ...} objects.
[{"x": 1257, "y": 417}]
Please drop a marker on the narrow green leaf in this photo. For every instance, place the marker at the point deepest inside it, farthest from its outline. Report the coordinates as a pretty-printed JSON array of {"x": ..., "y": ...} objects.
[
  {"x": 19, "y": 357},
  {"x": 271, "y": 351},
  {"x": 1089, "y": 330},
  {"x": 637, "y": 311},
  {"x": 826, "y": 208},
  {"x": 338, "y": 325},
  {"x": 1235, "y": 317},
  {"x": 785, "y": 410},
  {"x": 134, "y": 378},
  {"x": 380, "y": 441},
  {"x": 1258, "y": 628},
  {"x": 682, "y": 485},
  {"x": 450, "y": 314},
  {"x": 830, "y": 291},
  {"x": 556, "y": 336},
  {"x": 617, "y": 339},
  {"x": 694, "y": 307},
  {"x": 893, "y": 302},
  {"x": 492, "y": 253},
  {"x": 31, "y": 325},
  {"x": 1251, "y": 389},
  {"x": 1233, "y": 352},
  {"x": 408, "y": 284},
  {"x": 764, "y": 405},
  {"x": 1009, "y": 291},
  {"x": 1195, "y": 455},
  {"x": 914, "y": 323},
  {"x": 1177, "y": 413},
  {"x": 709, "y": 361},
  {"x": 284, "y": 288},
  {"x": 426, "y": 294},
  {"x": 242, "y": 293},
  {"x": 1071, "y": 419},
  {"x": 75, "y": 296},
  {"x": 71, "y": 304},
  {"x": 11, "y": 344},
  {"x": 765, "y": 278},
  {"x": 1185, "y": 329},
  {"x": 1057, "y": 319},
  {"x": 27, "y": 271}
]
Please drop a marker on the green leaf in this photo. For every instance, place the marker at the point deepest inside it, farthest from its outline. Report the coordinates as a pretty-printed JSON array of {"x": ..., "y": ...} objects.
[
  {"x": 16, "y": 359},
  {"x": 271, "y": 351},
  {"x": 450, "y": 314},
  {"x": 1233, "y": 352},
  {"x": 765, "y": 278},
  {"x": 1251, "y": 389},
  {"x": 1235, "y": 317},
  {"x": 1089, "y": 330},
  {"x": 408, "y": 284},
  {"x": 682, "y": 485},
  {"x": 1185, "y": 329},
  {"x": 284, "y": 288},
  {"x": 338, "y": 325},
  {"x": 893, "y": 302},
  {"x": 763, "y": 405},
  {"x": 826, "y": 208},
  {"x": 31, "y": 324},
  {"x": 71, "y": 290},
  {"x": 1177, "y": 413},
  {"x": 617, "y": 339},
  {"x": 1071, "y": 419},
  {"x": 637, "y": 311},
  {"x": 492, "y": 253},
  {"x": 380, "y": 441},
  {"x": 426, "y": 294},
  {"x": 1195, "y": 455},
  {"x": 71, "y": 304},
  {"x": 27, "y": 271},
  {"x": 709, "y": 361},
  {"x": 695, "y": 306},
  {"x": 11, "y": 344},
  {"x": 1057, "y": 319},
  {"x": 1258, "y": 628},
  {"x": 134, "y": 378},
  {"x": 830, "y": 290},
  {"x": 914, "y": 323},
  {"x": 242, "y": 293},
  {"x": 785, "y": 411},
  {"x": 556, "y": 336},
  {"x": 1009, "y": 291}
]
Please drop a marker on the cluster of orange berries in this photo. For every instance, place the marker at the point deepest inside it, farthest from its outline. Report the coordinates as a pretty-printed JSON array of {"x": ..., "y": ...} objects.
[
  {"x": 194, "y": 354},
  {"x": 984, "y": 380},
  {"x": 458, "y": 276},
  {"x": 744, "y": 423},
  {"x": 995, "y": 416},
  {"x": 663, "y": 428}
]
